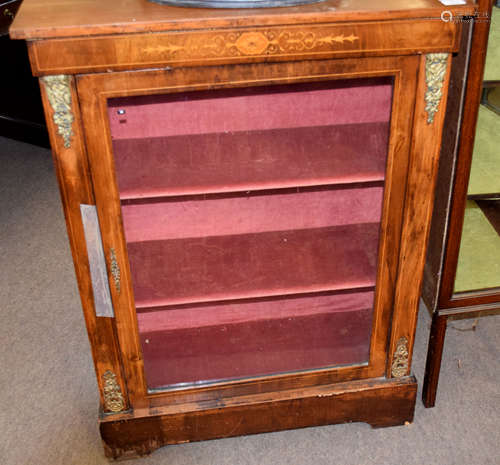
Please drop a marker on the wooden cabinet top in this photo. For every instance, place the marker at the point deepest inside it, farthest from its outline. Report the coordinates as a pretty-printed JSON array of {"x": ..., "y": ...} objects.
[{"x": 43, "y": 19}]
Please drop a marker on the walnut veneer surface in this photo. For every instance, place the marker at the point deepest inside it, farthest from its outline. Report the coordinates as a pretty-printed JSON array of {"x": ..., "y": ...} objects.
[{"x": 65, "y": 18}]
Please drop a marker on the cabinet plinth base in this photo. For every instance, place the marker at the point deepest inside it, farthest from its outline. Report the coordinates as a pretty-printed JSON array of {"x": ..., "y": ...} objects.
[{"x": 379, "y": 402}]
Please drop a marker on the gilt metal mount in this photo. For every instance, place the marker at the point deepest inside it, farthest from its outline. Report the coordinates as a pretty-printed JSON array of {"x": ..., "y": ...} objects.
[
  {"x": 399, "y": 366},
  {"x": 435, "y": 71},
  {"x": 59, "y": 96},
  {"x": 115, "y": 269},
  {"x": 113, "y": 398}
]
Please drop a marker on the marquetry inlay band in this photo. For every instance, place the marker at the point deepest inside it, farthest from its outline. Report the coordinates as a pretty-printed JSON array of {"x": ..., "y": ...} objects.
[
  {"x": 241, "y": 45},
  {"x": 265, "y": 42}
]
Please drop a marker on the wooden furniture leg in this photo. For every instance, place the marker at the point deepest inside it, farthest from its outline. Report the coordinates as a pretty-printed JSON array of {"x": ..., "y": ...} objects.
[{"x": 434, "y": 356}]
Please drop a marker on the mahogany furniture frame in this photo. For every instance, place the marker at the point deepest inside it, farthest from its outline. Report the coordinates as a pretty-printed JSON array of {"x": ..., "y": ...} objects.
[
  {"x": 447, "y": 224},
  {"x": 86, "y": 52}
]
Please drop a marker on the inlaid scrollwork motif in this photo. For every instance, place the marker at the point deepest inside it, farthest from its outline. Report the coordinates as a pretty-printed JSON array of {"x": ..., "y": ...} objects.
[
  {"x": 399, "y": 366},
  {"x": 113, "y": 398},
  {"x": 115, "y": 269},
  {"x": 59, "y": 95},
  {"x": 268, "y": 42},
  {"x": 435, "y": 71}
]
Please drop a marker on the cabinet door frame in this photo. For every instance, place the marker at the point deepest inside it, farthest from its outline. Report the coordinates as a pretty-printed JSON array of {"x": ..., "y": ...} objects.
[{"x": 411, "y": 166}]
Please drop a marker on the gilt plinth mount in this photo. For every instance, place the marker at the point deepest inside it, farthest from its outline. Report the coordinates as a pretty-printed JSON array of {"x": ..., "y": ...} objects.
[
  {"x": 113, "y": 398},
  {"x": 400, "y": 361}
]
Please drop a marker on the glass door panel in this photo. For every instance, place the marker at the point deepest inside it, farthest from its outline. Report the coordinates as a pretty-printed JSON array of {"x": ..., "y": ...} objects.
[
  {"x": 252, "y": 220},
  {"x": 478, "y": 267}
]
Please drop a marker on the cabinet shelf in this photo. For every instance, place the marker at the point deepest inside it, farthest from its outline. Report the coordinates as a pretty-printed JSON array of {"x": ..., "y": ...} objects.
[
  {"x": 250, "y": 160},
  {"x": 241, "y": 339},
  {"x": 217, "y": 268}
]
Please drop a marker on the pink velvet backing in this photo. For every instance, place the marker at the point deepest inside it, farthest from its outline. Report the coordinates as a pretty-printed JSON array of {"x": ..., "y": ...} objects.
[
  {"x": 243, "y": 339},
  {"x": 250, "y": 109},
  {"x": 252, "y": 213},
  {"x": 175, "y": 317}
]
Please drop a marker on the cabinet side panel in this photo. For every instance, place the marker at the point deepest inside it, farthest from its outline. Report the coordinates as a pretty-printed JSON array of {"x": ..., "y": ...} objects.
[
  {"x": 437, "y": 238},
  {"x": 479, "y": 43},
  {"x": 63, "y": 121},
  {"x": 427, "y": 131}
]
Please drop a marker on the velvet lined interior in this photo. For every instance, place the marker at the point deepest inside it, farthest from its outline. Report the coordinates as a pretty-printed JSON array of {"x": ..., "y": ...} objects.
[
  {"x": 247, "y": 139},
  {"x": 353, "y": 101},
  {"x": 252, "y": 221},
  {"x": 200, "y": 216},
  {"x": 251, "y": 160},
  {"x": 187, "y": 250},
  {"x": 235, "y": 340},
  {"x": 252, "y": 265}
]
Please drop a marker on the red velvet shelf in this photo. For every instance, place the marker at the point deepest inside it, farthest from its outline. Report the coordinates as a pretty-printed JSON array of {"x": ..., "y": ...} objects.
[
  {"x": 252, "y": 212},
  {"x": 250, "y": 160},
  {"x": 242, "y": 339},
  {"x": 214, "y": 268}
]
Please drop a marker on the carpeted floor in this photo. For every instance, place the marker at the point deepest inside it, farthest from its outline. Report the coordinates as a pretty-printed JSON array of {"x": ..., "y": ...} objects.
[{"x": 48, "y": 397}]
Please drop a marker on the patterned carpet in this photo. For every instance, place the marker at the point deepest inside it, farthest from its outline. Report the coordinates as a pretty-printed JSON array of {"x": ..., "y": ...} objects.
[{"x": 48, "y": 395}]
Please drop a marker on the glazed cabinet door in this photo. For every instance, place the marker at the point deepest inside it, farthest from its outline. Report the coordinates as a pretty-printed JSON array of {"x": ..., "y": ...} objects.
[{"x": 251, "y": 220}]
